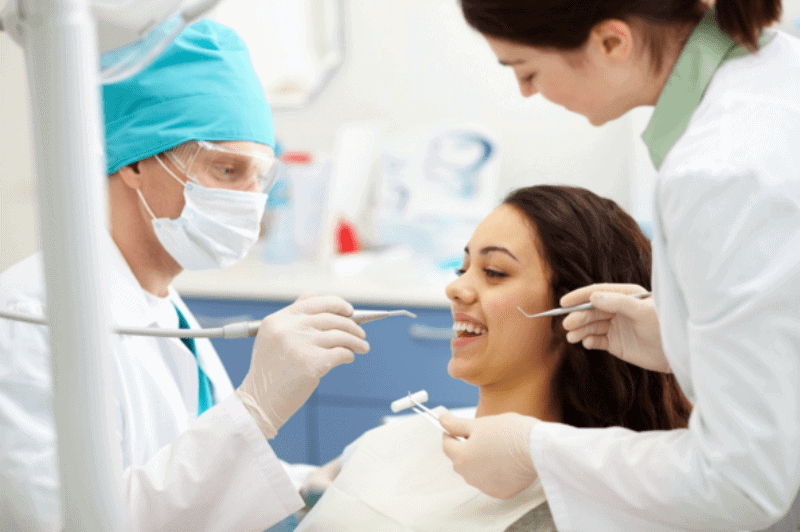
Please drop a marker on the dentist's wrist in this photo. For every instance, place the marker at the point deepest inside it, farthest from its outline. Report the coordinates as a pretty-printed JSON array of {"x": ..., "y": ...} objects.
[{"x": 264, "y": 424}]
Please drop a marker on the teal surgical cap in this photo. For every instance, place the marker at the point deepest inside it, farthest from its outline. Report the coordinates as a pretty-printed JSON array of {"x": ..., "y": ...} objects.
[{"x": 202, "y": 87}]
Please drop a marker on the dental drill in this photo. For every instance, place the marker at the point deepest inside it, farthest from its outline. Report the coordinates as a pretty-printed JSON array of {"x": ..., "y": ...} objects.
[{"x": 241, "y": 329}]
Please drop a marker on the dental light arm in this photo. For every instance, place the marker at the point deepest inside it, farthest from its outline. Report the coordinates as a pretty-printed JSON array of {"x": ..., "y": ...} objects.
[
  {"x": 60, "y": 43},
  {"x": 130, "y": 33}
]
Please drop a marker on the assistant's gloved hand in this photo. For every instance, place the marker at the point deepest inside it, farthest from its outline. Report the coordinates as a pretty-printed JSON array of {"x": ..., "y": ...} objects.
[
  {"x": 496, "y": 456},
  {"x": 624, "y": 326},
  {"x": 294, "y": 348},
  {"x": 318, "y": 481}
]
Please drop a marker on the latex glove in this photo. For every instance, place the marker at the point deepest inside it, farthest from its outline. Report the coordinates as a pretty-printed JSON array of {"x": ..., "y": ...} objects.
[
  {"x": 496, "y": 456},
  {"x": 294, "y": 348},
  {"x": 624, "y": 326},
  {"x": 318, "y": 481}
]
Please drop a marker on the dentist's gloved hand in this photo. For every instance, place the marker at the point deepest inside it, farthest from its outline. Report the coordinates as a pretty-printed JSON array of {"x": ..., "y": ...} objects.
[
  {"x": 496, "y": 455},
  {"x": 294, "y": 348},
  {"x": 624, "y": 326}
]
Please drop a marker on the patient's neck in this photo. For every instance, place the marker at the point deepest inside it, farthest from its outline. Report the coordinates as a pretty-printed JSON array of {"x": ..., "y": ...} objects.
[{"x": 530, "y": 398}]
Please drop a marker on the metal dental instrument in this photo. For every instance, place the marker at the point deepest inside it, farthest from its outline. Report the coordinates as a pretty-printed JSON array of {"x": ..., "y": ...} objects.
[
  {"x": 567, "y": 310},
  {"x": 363, "y": 316},
  {"x": 241, "y": 329},
  {"x": 428, "y": 414}
]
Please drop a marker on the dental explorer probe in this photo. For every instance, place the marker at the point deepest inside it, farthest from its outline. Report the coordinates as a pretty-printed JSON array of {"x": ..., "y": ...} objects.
[
  {"x": 567, "y": 310},
  {"x": 241, "y": 329}
]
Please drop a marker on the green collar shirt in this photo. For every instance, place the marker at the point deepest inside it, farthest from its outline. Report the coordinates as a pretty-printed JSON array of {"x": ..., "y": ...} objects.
[{"x": 707, "y": 48}]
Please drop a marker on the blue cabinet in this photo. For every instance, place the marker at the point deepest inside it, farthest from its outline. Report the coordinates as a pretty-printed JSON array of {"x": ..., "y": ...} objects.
[{"x": 405, "y": 355}]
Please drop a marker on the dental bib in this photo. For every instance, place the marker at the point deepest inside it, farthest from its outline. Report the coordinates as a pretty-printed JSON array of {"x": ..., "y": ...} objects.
[{"x": 398, "y": 479}]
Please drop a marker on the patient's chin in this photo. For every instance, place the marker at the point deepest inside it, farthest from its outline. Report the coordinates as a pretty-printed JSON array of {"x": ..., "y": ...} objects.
[{"x": 463, "y": 370}]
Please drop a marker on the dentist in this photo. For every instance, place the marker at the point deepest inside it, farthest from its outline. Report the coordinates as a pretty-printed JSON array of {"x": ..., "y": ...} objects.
[
  {"x": 725, "y": 316},
  {"x": 190, "y": 147}
]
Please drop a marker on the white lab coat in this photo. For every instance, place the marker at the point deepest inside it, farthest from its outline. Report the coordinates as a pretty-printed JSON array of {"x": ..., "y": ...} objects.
[
  {"x": 726, "y": 285},
  {"x": 182, "y": 472}
]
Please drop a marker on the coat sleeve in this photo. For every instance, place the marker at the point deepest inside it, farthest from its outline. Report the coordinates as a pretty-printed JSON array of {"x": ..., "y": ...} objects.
[
  {"x": 220, "y": 474},
  {"x": 29, "y": 487},
  {"x": 731, "y": 243}
]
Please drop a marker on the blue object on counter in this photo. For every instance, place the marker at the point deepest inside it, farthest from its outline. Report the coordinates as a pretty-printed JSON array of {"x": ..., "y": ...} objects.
[
  {"x": 437, "y": 185},
  {"x": 279, "y": 245},
  {"x": 450, "y": 264},
  {"x": 647, "y": 228},
  {"x": 455, "y": 160}
]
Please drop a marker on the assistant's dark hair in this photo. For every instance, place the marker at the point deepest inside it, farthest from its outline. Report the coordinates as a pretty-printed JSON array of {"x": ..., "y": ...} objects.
[
  {"x": 566, "y": 24},
  {"x": 586, "y": 239}
]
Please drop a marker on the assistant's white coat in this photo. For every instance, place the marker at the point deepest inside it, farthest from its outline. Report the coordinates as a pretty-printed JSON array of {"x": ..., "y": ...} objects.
[{"x": 727, "y": 290}]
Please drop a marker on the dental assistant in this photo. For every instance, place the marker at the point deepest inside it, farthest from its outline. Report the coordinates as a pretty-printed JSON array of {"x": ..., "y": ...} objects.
[
  {"x": 725, "y": 316},
  {"x": 190, "y": 154}
]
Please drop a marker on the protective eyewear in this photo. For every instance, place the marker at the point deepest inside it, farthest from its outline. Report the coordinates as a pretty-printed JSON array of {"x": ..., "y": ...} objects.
[{"x": 214, "y": 166}]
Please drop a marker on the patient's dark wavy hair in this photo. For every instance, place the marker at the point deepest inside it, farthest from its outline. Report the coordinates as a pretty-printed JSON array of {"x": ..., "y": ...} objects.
[{"x": 586, "y": 239}]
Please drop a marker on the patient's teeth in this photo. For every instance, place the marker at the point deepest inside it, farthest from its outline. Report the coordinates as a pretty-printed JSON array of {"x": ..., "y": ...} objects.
[{"x": 472, "y": 328}]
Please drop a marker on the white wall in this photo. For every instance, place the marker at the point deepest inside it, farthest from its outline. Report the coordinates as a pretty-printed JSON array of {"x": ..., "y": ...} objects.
[
  {"x": 19, "y": 231},
  {"x": 408, "y": 63},
  {"x": 414, "y": 62}
]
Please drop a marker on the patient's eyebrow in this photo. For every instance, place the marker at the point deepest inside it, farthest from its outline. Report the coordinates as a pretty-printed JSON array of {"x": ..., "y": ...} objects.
[
  {"x": 511, "y": 62},
  {"x": 490, "y": 249}
]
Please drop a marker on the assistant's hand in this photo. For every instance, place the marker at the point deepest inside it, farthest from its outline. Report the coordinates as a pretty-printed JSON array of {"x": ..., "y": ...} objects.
[
  {"x": 294, "y": 348},
  {"x": 624, "y": 326},
  {"x": 318, "y": 481},
  {"x": 496, "y": 456}
]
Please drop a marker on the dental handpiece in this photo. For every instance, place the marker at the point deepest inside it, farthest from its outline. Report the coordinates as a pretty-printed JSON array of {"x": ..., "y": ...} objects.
[
  {"x": 241, "y": 329},
  {"x": 363, "y": 316},
  {"x": 250, "y": 328},
  {"x": 567, "y": 310}
]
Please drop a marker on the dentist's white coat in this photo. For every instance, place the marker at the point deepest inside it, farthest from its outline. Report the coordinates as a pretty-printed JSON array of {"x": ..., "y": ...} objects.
[{"x": 215, "y": 473}]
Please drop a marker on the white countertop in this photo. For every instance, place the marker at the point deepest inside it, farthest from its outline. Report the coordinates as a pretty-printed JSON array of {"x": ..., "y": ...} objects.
[{"x": 357, "y": 278}]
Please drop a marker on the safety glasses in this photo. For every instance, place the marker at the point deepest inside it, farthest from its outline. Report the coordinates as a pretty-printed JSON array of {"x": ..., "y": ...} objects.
[{"x": 214, "y": 166}]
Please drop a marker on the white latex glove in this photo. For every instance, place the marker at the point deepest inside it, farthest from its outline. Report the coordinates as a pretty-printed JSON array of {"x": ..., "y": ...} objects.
[
  {"x": 496, "y": 456},
  {"x": 624, "y": 326},
  {"x": 318, "y": 480},
  {"x": 294, "y": 348}
]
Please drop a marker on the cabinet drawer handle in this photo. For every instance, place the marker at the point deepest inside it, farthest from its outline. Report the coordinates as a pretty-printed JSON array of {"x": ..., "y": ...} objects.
[{"x": 424, "y": 332}]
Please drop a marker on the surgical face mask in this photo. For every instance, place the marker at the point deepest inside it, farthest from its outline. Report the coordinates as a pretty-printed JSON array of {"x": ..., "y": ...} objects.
[{"x": 216, "y": 228}]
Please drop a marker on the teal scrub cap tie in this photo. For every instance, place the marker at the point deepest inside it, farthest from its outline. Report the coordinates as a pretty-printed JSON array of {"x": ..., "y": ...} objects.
[{"x": 202, "y": 87}]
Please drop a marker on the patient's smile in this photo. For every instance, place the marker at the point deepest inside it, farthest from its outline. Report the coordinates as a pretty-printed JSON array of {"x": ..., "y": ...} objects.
[
  {"x": 502, "y": 268},
  {"x": 466, "y": 329}
]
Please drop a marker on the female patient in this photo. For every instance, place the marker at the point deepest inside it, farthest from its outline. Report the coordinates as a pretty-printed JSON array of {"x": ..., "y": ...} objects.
[{"x": 541, "y": 243}]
